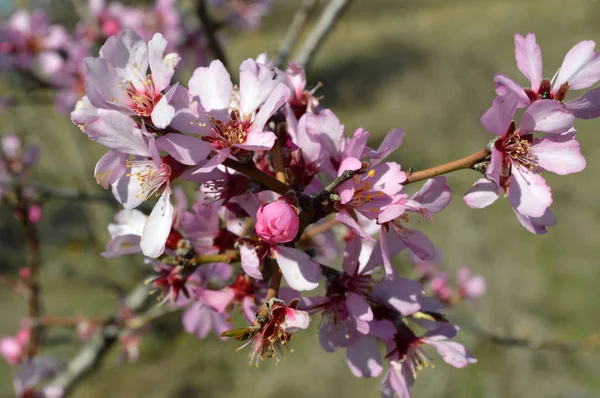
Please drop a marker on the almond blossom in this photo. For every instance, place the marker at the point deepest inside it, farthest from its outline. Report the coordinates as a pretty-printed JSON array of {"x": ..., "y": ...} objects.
[
  {"x": 518, "y": 157},
  {"x": 580, "y": 69}
]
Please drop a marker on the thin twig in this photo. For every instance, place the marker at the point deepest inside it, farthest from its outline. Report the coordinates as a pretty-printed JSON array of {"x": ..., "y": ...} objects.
[
  {"x": 255, "y": 174},
  {"x": 323, "y": 27},
  {"x": 464, "y": 163},
  {"x": 279, "y": 163},
  {"x": 33, "y": 259},
  {"x": 92, "y": 353},
  {"x": 210, "y": 28},
  {"x": 293, "y": 33}
]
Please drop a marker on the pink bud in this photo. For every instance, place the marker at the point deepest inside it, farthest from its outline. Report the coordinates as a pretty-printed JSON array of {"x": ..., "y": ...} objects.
[{"x": 277, "y": 222}]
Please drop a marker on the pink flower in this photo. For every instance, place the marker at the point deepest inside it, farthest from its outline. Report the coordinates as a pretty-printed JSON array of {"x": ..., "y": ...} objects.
[
  {"x": 470, "y": 286},
  {"x": 14, "y": 349},
  {"x": 406, "y": 356},
  {"x": 580, "y": 69},
  {"x": 518, "y": 158},
  {"x": 230, "y": 125},
  {"x": 396, "y": 235},
  {"x": 277, "y": 222},
  {"x": 283, "y": 320},
  {"x": 125, "y": 233},
  {"x": 30, "y": 42},
  {"x": 118, "y": 81}
]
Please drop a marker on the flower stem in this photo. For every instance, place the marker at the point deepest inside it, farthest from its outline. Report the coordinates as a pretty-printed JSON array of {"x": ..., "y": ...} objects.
[
  {"x": 464, "y": 163},
  {"x": 255, "y": 174}
]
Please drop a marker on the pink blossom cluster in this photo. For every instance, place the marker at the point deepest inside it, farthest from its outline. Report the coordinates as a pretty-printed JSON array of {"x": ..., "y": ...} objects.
[
  {"x": 52, "y": 56},
  {"x": 285, "y": 193}
]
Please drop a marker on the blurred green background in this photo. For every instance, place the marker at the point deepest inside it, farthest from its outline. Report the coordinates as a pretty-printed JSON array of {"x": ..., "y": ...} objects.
[{"x": 426, "y": 66}]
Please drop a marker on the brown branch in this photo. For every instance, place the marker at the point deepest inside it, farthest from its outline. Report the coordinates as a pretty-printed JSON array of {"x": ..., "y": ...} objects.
[
  {"x": 321, "y": 30},
  {"x": 92, "y": 353},
  {"x": 278, "y": 161},
  {"x": 464, "y": 163},
  {"x": 210, "y": 29},
  {"x": 293, "y": 33},
  {"x": 255, "y": 174}
]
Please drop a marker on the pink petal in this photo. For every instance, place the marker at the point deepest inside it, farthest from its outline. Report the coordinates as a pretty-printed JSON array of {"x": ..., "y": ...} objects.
[
  {"x": 117, "y": 131},
  {"x": 435, "y": 195},
  {"x": 122, "y": 245},
  {"x": 390, "y": 245},
  {"x": 418, "y": 243},
  {"x": 498, "y": 117},
  {"x": 400, "y": 294},
  {"x": 299, "y": 271},
  {"x": 326, "y": 128},
  {"x": 345, "y": 218},
  {"x": 351, "y": 253},
  {"x": 363, "y": 357},
  {"x": 452, "y": 353},
  {"x": 528, "y": 193},
  {"x": 102, "y": 86},
  {"x": 162, "y": 69},
  {"x": 529, "y": 59},
  {"x": 213, "y": 86},
  {"x": 356, "y": 146},
  {"x": 505, "y": 85},
  {"x": 580, "y": 68},
  {"x": 360, "y": 310},
  {"x": 158, "y": 227},
  {"x": 558, "y": 155},
  {"x": 495, "y": 167},
  {"x": 250, "y": 261},
  {"x": 482, "y": 194},
  {"x": 84, "y": 111},
  {"x": 391, "y": 142},
  {"x": 546, "y": 116},
  {"x": 128, "y": 54},
  {"x": 537, "y": 225},
  {"x": 256, "y": 85},
  {"x": 585, "y": 107},
  {"x": 218, "y": 300},
  {"x": 258, "y": 141},
  {"x": 295, "y": 320},
  {"x": 128, "y": 192},
  {"x": 110, "y": 167},
  {"x": 277, "y": 97},
  {"x": 185, "y": 149}
]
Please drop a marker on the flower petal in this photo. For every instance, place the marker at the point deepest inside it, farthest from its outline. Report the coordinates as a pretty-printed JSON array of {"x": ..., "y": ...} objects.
[
  {"x": 214, "y": 87},
  {"x": 185, "y": 149},
  {"x": 300, "y": 272},
  {"x": 505, "y": 85},
  {"x": 363, "y": 357},
  {"x": 536, "y": 225},
  {"x": 435, "y": 195},
  {"x": 529, "y": 59},
  {"x": 482, "y": 194},
  {"x": 528, "y": 193},
  {"x": 546, "y": 116},
  {"x": 250, "y": 260},
  {"x": 162, "y": 68},
  {"x": 277, "y": 97},
  {"x": 117, "y": 131},
  {"x": 158, "y": 227},
  {"x": 558, "y": 155},
  {"x": 345, "y": 218},
  {"x": 256, "y": 85},
  {"x": 580, "y": 68},
  {"x": 498, "y": 117},
  {"x": 586, "y": 106}
]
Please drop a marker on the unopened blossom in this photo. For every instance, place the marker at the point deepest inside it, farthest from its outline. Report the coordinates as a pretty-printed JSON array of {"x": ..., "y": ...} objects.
[
  {"x": 396, "y": 234},
  {"x": 580, "y": 70},
  {"x": 518, "y": 157},
  {"x": 282, "y": 321},
  {"x": 277, "y": 222},
  {"x": 231, "y": 122},
  {"x": 406, "y": 356},
  {"x": 29, "y": 42}
]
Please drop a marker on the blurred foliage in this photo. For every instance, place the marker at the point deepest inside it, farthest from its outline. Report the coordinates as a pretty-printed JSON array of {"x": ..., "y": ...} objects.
[{"x": 426, "y": 66}]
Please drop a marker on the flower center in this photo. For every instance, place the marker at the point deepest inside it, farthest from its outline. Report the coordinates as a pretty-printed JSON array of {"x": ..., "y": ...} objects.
[
  {"x": 143, "y": 101},
  {"x": 152, "y": 179},
  {"x": 517, "y": 148},
  {"x": 232, "y": 132}
]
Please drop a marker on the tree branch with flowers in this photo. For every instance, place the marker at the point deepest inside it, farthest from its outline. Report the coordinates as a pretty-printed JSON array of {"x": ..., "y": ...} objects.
[{"x": 277, "y": 178}]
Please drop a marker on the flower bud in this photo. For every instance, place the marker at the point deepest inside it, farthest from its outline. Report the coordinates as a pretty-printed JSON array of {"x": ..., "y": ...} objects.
[{"x": 277, "y": 222}]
